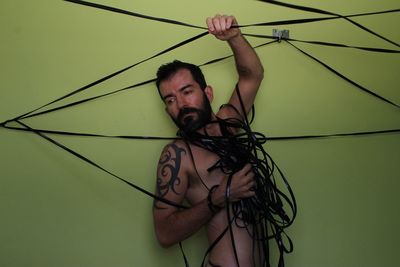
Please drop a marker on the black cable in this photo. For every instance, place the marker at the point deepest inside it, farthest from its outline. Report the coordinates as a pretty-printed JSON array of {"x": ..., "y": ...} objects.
[
  {"x": 122, "y": 11},
  {"x": 283, "y": 22},
  {"x": 260, "y": 137},
  {"x": 94, "y": 164},
  {"x": 344, "y": 77},
  {"x": 29, "y": 114},
  {"x": 266, "y": 209},
  {"x": 369, "y": 49},
  {"x": 248, "y": 143},
  {"x": 189, "y": 40},
  {"x": 320, "y": 11}
]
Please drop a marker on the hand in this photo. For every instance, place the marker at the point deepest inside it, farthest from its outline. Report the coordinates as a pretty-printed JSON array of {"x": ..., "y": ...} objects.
[
  {"x": 241, "y": 186},
  {"x": 221, "y": 27}
]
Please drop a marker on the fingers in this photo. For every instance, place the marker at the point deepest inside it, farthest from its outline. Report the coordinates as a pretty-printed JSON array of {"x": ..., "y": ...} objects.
[
  {"x": 210, "y": 25},
  {"x": 243, "y": 183},
  {"x": 219, "y": 24},
  {"x": 245, "y": 176},
  {"x": 246, "y": 170},
  {"x": 248, "y": 194}
]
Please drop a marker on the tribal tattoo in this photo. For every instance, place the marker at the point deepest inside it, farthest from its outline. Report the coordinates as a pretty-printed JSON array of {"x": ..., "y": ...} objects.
[{"x": 169, "y": 167}]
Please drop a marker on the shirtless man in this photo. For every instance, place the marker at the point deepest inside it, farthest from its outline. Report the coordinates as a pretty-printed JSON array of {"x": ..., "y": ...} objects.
[{"x": 183, "y": 167}]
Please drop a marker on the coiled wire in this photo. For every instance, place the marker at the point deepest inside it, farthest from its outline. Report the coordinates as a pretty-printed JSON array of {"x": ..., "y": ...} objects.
[{"x": 265, "y": 215}]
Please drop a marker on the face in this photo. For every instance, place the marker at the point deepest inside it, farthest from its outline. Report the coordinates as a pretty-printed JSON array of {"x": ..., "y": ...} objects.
[{"x": 186, "y": 103}]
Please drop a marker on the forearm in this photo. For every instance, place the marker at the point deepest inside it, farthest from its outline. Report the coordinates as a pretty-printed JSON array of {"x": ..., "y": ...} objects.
[
  {"x": 181, "y": 224},
  {"x": 248, "y": 63},
  {"x": 250, "y": 71}
]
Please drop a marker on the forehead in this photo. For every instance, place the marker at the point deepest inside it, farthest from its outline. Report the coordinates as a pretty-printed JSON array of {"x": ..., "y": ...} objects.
[{"x": 176, "y": 81}]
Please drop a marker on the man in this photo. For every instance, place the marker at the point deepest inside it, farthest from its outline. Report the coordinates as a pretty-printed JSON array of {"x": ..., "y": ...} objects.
[{"x": 184, "y": 168}]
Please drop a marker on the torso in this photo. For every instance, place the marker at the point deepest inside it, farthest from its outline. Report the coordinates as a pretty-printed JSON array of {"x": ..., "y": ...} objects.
[{"x": 200, "y": 180}]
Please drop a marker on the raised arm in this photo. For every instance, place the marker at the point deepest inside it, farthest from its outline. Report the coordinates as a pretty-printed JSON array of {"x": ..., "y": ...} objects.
[{"x": 248, "y": 64}]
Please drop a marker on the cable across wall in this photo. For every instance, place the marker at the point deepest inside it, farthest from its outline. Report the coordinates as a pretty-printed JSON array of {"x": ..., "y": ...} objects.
[{"x": 18, "y": 123}]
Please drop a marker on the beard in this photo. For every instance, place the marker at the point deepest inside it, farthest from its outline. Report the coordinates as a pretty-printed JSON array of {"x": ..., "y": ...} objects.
[{"x": 190, "y": 119}]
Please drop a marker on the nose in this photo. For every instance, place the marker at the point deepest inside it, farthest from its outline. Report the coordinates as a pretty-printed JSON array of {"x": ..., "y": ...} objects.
[{"x": 180, "y": 102}]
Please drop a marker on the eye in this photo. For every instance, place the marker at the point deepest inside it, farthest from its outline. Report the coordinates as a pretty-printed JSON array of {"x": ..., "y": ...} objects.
[
  {"x": 169, "y": 100},
  {"x": 187, "y": 91}
]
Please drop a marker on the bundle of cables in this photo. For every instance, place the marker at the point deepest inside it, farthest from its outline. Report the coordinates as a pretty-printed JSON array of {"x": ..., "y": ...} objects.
[{"x": 265, "y": 215}]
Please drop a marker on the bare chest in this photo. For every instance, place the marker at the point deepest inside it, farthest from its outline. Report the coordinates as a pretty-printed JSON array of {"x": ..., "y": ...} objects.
[{"x": 202, "y": 175}]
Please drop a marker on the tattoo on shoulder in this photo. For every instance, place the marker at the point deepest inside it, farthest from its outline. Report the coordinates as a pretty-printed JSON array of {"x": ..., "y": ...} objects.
[{"x": 168, "y": 170}]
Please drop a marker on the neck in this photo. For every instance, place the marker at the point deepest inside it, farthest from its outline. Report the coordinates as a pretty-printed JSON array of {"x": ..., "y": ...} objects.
[{"x": 211, "y": 128}]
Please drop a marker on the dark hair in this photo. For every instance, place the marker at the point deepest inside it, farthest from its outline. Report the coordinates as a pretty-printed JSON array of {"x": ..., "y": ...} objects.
[{"x": 167, "y": 70}]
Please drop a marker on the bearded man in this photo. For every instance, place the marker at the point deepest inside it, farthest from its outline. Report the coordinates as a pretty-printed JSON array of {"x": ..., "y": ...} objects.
[{"x": 185, "y": 170}]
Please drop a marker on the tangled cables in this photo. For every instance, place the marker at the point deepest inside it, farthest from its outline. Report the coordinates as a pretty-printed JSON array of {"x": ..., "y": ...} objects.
[{"x": 265, "y": 215}]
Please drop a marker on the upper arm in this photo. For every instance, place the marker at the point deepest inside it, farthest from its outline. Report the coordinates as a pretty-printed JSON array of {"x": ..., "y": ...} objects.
[
  {"x": 171, "y": 184},
  {"x": 250, "y": 70},
  {"x": 248, "y": 90}
]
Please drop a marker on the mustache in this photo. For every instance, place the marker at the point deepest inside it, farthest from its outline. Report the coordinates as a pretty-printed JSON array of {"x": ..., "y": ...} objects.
[{"x": 185, "y": 111}]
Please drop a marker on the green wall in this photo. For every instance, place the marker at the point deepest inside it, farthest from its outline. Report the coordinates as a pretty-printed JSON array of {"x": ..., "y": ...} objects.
[{"x": 57, "y": 210}]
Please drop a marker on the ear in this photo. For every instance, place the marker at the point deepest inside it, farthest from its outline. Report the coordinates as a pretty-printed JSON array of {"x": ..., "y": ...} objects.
[{"x": 209, "y": 93}]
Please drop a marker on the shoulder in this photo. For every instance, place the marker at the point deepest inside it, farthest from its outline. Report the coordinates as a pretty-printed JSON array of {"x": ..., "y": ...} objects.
[
  {"x": 232, "y": 117},
  {"x": 229, "y": 111},
  {"x": 172, "y": 174},
  {"x": 176, "y": 148},
  {"x": 176, "y": 155}
]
